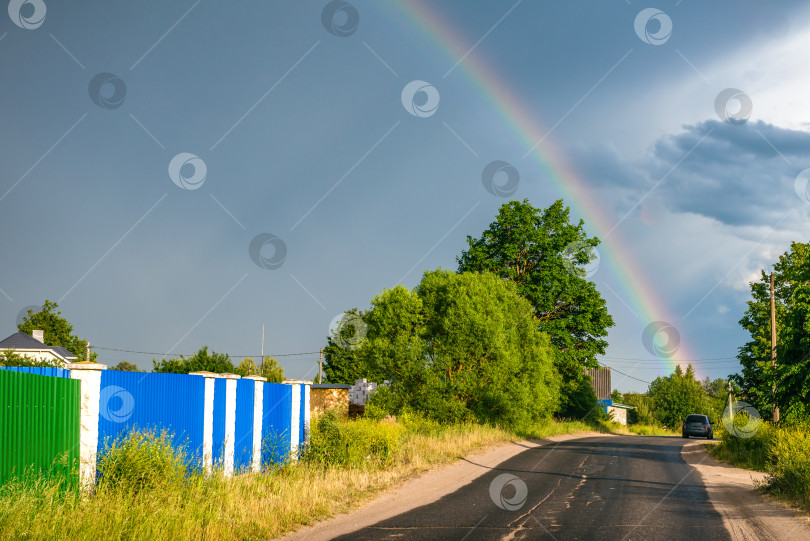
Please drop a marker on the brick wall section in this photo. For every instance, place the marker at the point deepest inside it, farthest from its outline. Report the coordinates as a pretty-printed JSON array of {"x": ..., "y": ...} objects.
[{"x": 323, "y": 399}]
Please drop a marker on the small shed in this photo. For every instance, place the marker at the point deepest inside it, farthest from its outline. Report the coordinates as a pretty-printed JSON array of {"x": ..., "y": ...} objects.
[
  {"x": 618, "y": 411},
  {"x": 328, "y": 395}
]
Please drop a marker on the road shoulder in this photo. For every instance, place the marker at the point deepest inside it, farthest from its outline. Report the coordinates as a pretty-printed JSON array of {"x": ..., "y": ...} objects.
[
  {"x": 423, "y": 490},
  {"x": 747, "y": 513}
]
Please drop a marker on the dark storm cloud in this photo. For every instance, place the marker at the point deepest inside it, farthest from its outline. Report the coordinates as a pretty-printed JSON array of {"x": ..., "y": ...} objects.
[{"x": 738, "y": 175}]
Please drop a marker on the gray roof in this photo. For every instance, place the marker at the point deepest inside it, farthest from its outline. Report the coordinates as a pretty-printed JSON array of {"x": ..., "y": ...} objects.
[
  {"x": 330, "y": 386},
  {"x": 21, "y": 340},
  {"x": 64, "y": 352}
]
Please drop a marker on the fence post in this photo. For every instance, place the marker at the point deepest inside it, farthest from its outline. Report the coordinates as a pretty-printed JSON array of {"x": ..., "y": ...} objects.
[
  {"x": 295, "y": 417},
  {"x": 89, "y": 376},
  {"x": 258, "y": 411},
  {"x": 307, "y": 409},
  {"x": 208, "y": 420},
  {"x": 230, "y": 423}
]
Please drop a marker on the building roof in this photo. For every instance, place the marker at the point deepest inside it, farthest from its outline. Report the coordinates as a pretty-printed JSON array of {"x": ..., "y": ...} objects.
[
  {"x": 21, "y": 341},
  {"x": 64, "y": 352},
  {"x": 330, "y": 386}
]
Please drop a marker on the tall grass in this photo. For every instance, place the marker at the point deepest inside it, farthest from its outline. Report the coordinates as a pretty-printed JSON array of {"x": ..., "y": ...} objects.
[
  {"x": 147, "y": 491},
  {"x": 782, "y": 452}
]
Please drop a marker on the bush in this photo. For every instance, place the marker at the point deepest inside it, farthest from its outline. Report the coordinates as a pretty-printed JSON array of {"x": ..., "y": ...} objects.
[
  {"x": 752, "y": 453},
  {"x": 789, "y": 470},
  {"x": 141, "y": 460},
  {"x": 338, "y": 442}
]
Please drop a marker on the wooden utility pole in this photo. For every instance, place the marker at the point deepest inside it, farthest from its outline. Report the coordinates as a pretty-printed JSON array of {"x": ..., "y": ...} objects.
[
  {"x": 262, "y": 341},
  {"x": 773, "y": 351},
  {"x": 88, "y": 352},
  {"x": 730, "y": 404},
  {"x": 320, "y": 366}
]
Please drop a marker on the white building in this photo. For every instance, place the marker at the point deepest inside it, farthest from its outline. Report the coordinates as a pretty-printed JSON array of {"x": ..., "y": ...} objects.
[{"x": 35, "y": 348}]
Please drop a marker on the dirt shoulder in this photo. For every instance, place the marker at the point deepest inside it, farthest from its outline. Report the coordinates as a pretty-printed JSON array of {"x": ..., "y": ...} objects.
[
  {"x": 425, "y": 489},
  {"x": 747, "y": 513}
]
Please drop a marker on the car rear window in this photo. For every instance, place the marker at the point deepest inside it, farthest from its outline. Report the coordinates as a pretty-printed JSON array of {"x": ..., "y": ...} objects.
[{"x": 696, "y": 419}]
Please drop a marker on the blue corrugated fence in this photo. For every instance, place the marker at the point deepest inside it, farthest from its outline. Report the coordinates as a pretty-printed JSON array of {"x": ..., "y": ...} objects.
[
  {"x": 149, "y": 401},
  {"x": 243, "y": 435},
  {"x": 276, "y": 423},
  {"x": 53, "y": 372}
]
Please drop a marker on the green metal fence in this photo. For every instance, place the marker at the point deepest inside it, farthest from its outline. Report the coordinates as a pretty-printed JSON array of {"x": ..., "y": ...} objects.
[{"x": 39, "y": 425}]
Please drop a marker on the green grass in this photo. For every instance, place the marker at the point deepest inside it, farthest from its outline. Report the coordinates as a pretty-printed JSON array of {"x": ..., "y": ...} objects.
[
  {"x": 146, "y": 492},
  {"x": 782, "y": 452}
]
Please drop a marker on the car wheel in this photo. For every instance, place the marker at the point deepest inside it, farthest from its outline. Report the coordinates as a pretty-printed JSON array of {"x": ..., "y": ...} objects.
[{"x": 684, "y": 436}]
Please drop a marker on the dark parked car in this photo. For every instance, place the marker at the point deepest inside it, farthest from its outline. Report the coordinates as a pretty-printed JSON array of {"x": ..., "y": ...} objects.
[{"x": 697, "y": 425}]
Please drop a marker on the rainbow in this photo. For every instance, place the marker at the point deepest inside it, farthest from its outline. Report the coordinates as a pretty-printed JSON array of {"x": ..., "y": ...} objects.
[{"x": 636, "y": 290}]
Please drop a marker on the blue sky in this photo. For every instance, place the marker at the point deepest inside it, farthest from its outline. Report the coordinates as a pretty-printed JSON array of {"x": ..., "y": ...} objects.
[{"x": 304, "y": 136}]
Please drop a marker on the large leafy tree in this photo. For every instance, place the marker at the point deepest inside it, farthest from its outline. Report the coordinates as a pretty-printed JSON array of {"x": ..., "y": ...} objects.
[
  {"x": 58, "y": 330},
  {"x": 676, "y": 396},
  {"x": 459, "y": 346},
  {"x": 543, "y": 253},
  {"x": 792, "y": 373}
]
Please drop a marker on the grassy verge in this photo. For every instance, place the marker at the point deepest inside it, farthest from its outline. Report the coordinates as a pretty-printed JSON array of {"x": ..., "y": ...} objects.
[
  {"x": 782, "y": 452},
  {"x": 145, "y": 492}
]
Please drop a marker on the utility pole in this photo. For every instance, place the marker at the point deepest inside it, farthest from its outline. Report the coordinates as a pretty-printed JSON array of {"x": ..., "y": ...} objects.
[
  {"x": 730, "y": 404},
  {"x": 320, "y": 366},
  {"x": 88, "y": 352},
  {"x": 262, "y": 342},
  {"x": 773, "y": 351}
]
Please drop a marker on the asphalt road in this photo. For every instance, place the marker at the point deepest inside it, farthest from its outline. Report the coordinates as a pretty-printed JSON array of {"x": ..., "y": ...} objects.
[{"x": 626, "y": 487}]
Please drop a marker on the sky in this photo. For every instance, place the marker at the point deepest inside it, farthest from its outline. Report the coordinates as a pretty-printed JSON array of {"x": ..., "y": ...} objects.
[{"x": 181, "y": 174}]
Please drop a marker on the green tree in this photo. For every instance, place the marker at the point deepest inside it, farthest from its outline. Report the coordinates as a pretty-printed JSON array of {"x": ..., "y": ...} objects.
[
  {"x": 792, "y": 373},
  {"x": 340, "y": 356},
  {"x": 58, "y": 330},
  {"x": 9, "y": 358},
  {"x": 460, "y": 346},
  {"x": 676, "y": 396},
  {"x": 542, "y": 252},
  {"x": 642, "y": 412},
  {"x": 616, "y": 396},
  {"x": 271, "y": 369},
  {"x": 126, "y": 366},
  {"x": 247, "y": 367},
  {"x": 202, "y": 361}
]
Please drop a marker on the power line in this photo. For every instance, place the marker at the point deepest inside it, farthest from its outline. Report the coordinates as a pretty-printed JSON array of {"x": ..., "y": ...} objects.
[
  {"x": 625, "y": 375},
  {"x": 680, "y": 361},
  {"x": 187, "y": 355},
  {"x": 662, "y": 361}
]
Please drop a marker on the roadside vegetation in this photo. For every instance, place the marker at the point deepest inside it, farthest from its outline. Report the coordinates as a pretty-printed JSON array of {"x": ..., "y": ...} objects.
[
  {"x": 147, "y": 490},
  {"x": 783, "y": 452}
]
